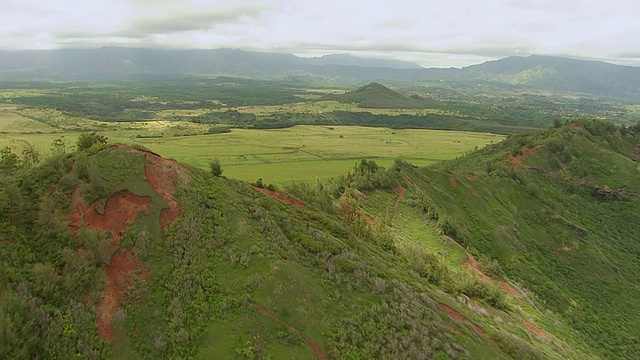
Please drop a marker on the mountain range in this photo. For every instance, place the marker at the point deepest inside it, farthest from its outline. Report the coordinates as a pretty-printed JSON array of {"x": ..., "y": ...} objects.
[{"x": 114, "y": 63}]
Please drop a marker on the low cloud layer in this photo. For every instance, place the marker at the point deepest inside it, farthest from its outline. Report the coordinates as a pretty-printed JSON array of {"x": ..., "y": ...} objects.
[{"x": 454, "y": 33}]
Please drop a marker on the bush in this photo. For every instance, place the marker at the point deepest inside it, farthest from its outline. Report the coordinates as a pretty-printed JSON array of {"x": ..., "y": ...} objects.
[
  {"x": 216, "y": 168},
  {"x": 88, "y": 140}
]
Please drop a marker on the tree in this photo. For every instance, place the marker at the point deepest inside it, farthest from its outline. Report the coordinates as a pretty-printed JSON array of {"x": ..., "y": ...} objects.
[
  {"x": 8, "y": 161},
  {"x": 216, "y": 168},
  {"x": 30, "y": 156},
  {"x": 87, "y": 140},
  {"x": 59, "y": 145}
]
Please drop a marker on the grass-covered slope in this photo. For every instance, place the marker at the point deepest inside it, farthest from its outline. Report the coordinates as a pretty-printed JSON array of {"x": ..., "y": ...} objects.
[
  {"x": 559, "y": 211},
  {"x": 117, "y": 253}
]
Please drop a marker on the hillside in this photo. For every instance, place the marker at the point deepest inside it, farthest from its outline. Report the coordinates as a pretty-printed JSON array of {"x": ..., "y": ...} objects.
[
  {"x": 376, "y": 95},
  {"x": 116, "y": 252},
  {"x": 564, "y": 222}
]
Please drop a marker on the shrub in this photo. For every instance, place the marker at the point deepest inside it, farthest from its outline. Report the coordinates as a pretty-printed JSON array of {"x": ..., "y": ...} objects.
[
  {"x": 216, "y": 168},
  {"x": 88, "y": 140}
]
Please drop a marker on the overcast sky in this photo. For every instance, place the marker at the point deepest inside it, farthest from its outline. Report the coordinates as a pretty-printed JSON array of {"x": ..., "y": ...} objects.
[{"x": 431, "y": 33}]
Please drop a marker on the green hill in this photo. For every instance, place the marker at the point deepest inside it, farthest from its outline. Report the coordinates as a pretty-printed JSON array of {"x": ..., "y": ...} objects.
[
  {"x": 115, "y": 252},
  {"x": 376, "y": 95}
]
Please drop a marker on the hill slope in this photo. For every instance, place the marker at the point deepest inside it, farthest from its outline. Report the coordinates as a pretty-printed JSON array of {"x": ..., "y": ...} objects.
[
  {"x": 376, "y": 95},
  {"x": 559, "y": 212},
  {"x": 556, "y": 73},
  {"x": 116, "y": 252}
]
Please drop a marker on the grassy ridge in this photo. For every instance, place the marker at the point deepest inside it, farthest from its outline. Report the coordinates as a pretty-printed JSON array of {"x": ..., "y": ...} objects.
[{"x": 562, "y": 222}]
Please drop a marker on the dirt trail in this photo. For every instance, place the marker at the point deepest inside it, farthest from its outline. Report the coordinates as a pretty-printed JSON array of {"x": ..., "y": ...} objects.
[
  {"x": 535, "y": 329},
  {"x": 406, "y": 178},
  {"x": 472, "y": 264},
  {"x": 279, "y": 196},
  {"x": 401, "y": 191},
  {"x": 454, "y": 314},
  {"x": 315, "y": 347}
]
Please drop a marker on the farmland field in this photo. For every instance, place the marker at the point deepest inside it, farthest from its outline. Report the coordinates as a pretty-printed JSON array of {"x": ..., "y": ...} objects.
[{"x": 278, "y": 156}]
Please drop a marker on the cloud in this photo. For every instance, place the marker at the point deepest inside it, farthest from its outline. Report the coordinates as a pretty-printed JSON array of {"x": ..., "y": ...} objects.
[
  {"x": 181, "y": 21},
  {"x": 407, "y": 29}
]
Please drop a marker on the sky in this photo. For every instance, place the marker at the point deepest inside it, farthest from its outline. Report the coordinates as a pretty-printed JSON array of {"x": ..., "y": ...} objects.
[{"x": 431, "y": 33}]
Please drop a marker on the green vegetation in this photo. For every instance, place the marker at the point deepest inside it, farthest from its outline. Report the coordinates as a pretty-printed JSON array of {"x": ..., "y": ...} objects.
[
  {"x": 522, "y": 248},
  {"x": 561, "y": 222},
  {"x": 364, "y": 266},
  {"x": 280, "y": 156}
]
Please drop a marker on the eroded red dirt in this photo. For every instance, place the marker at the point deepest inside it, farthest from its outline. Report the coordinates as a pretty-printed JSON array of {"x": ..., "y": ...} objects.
[
  {"x": 409, "y": 181},
  {"x": 120, "y": 212},
  {"x": 162, "y": 174},
  {"x": 279, "y": 196},
  {"x": 315, "y": 347},
  {"x": 368, "y": 218},
  {"x": 453, "y": 181},
  {"x": 454, "y": 314},
  {"x": 455, "y": 330},
  {"x": 472, "y": 264},
  {"x": 514, "y": 162},
  {"x": 535, "y": 329},
  {"x": 401, "y": 191}
]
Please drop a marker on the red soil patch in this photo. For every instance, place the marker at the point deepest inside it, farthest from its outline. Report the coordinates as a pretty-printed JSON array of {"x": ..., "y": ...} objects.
[
  {"x": 401, "y": 191},
  {"x": 368, "y": 218},
  {"x": 315, "y": 347},
  {"x": 454, "y": 183},
  {"x": 279, "y": 196},
  {"x": 514, "y": 162},
  {"x": 472, "y": 264},
  {"x": 472, "y": 178},
  {"x": 574, "y": 126},
  {"x": 454, "y": 314},
  {"x": 162, "y": 175},
  {"x": 408, "y": 181},
  {"x": 455, "y": 330},
  {"x": 120, "y": 211},
  {"x": 535, "y": 329}
]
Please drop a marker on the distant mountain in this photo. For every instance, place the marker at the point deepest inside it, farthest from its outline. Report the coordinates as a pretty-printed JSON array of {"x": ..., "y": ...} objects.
[
  {"x": 556, "y": 73},
  {"x": 349, "y": 60},
  {"x": 113, "y": 63},
  {"x": 376, "y": 95}
]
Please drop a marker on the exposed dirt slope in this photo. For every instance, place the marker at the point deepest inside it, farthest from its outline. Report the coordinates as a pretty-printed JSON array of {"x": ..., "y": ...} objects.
[
  {"x": 279, "y": 196},
  {"x": 454, "y": 314},
  {"x": 121, "y": 209}
]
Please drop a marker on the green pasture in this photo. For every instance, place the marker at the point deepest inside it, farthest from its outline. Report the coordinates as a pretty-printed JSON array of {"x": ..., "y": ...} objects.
[{"x": 300, "y": 153}]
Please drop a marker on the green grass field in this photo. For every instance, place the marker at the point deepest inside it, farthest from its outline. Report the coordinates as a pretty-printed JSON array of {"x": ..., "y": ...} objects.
[{"x": 300, "y": 153}]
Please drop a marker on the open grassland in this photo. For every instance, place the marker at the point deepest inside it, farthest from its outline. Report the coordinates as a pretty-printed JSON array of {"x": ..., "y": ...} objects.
[
  {"x": 300, "y": 153},
  {"x": 12, "y": 122}
]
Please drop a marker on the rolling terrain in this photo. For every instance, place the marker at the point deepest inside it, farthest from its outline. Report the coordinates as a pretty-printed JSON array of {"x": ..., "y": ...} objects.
[
  {"x": 523, "y": 249},
  {"x": 114, "y": 63}
]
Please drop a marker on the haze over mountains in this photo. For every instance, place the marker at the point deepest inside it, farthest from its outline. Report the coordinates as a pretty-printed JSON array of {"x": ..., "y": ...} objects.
[{"x": 113, "y": 63}]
